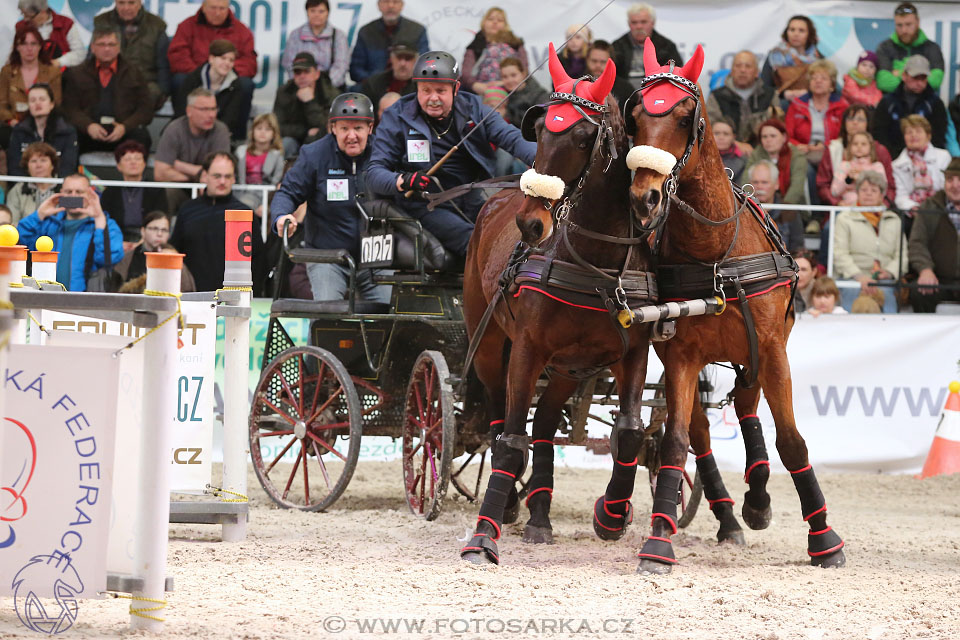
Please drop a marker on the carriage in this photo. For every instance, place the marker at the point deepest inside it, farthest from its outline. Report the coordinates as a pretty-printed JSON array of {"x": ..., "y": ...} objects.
[{"x": 396, "y": 370}]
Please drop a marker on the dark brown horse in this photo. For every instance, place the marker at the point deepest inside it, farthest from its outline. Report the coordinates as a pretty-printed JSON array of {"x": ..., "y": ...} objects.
[
  {"x": 713, "y": 240},
  {"x": 553, "y": 307}
]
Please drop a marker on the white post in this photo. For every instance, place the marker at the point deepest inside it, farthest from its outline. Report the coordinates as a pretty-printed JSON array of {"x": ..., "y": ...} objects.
[
  {"x": 830, "y": 232},
  {"x": 236, "y": 364},
  {"x": 159, "y": 399},
  {"x": 44, "y": 268},
  {"x": 16, "y": 256},
  {"x": 6, "y": 325}
]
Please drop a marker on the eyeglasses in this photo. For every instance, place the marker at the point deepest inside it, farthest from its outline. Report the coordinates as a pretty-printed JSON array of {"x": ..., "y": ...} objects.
[{"x": 158, "y": 229}]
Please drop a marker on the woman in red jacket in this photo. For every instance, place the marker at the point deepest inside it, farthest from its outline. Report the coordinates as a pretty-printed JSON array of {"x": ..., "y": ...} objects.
[{"x": 816, "y": 117}]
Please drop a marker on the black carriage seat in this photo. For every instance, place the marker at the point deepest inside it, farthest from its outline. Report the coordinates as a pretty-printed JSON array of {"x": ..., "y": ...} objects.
[
  {"x": 408, "y": 233},
  {"x": 300, "y": 307}
]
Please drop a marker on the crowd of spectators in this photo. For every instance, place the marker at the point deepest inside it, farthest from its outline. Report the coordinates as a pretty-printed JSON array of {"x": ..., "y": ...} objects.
[{"x": 792, "y": 125}]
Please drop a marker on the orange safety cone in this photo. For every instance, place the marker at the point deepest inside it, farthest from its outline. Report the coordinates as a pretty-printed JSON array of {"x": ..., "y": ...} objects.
[{"x": 944, "y": 456}]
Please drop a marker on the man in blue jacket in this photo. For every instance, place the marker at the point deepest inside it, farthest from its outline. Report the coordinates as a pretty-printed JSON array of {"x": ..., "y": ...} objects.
[
  {"x": 328, "y": 175},
  {"x": 420, "y": 129},
  {"x": 73, "y": 231}
]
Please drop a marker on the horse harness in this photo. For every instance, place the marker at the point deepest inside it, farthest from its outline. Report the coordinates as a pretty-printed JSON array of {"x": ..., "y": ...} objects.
[{"x": 747, "y": 276}]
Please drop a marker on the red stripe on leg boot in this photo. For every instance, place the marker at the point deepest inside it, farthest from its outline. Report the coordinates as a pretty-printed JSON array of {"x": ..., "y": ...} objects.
[
  {"x": 704, "y": 455},
  {"x": 746, "y": 475},
  {"x": 673, "y": 524},
  {"x": 491, "y": 521},
  {"x": 809, "y": 466},
  {"x": 823, "y": 508},
  {"x": 536, "y": 491},
  {"x": 506, "y": 473}
]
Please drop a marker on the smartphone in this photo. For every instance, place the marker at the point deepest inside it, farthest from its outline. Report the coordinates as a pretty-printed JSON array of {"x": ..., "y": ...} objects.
[{"x": 71, "y": 202}]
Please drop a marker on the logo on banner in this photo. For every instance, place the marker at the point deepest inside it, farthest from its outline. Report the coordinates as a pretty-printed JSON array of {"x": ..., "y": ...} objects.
[
  {"x": 54, "y": 573},
  {"x": 14, "y": 506}
]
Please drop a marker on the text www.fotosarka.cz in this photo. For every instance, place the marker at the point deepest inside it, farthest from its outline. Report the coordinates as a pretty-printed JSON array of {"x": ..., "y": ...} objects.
[{"x": 530, "y": 626}]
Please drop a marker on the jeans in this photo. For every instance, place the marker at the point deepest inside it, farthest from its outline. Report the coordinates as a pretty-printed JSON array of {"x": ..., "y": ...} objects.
[
  {"x": 331, "y": 281},
  {"x": 849, "y": 294}
]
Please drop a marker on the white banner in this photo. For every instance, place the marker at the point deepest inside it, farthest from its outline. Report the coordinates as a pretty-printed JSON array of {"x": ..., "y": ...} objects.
[
  {"x": 58, "y": 470},
  {"x": 844, "y": 28}
]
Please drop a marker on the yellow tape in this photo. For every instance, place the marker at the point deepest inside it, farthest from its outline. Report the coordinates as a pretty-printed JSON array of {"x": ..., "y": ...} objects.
[
  {"x": 176, "y": 314},
  {"x": 218, "y": 492},
  {"x": 216, "y": 294},
  {"x": 59, "y": 284},
  {"x": 142, "y": 612}
]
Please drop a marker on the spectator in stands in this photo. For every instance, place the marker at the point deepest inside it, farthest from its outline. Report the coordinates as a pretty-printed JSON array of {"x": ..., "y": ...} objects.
[
  {"x": 398, "y": 77},
  {"x": 39, "y": 161},
  {"x": 493, "y": 43},
  {"x": 628, "y": 49},
  {"x": 28, "y": 65},
  {"x": 528, "y": 94},
  {"x": 764, "y": 177},
  {"x": 868, "y": 246},
  {"x": 76, "y": 233},
  {"x": 733, "y": 158},
  {"x": 918, "y": 170},
  {"x": 600, "y": 51},
  {"x": 199, "y": 231},
  {"x": 61, "y": 36},
  {"x": 43, "y": 123},
  {"x": 786, "y": 66},
  {"x": 190, "y": 47},
  {"x": 109, "y": 100},
  {"x": 860, "y": 83},
  {"x": 856, "y": 119},
  {"x": 143, "y": 43},
  {"x": 573, "y": 57},
  {"x": 388, "y": 100},
  {"x": 6, "y": 216},
  {"x": 127, "y": 205},
  {"x": 859, "y": 156},
  {"x": 327, "y": 44},
  {"x": 375, "y": 39},
  {"x": 155, "y": 233},
  {"x": 743, "y": 98},
  {"x": 935, "y": 245},
  {"x": 913, "y": 95},
  {"x": 260, "y": 160},
  {"x": 217, "y": 75},
  {"x": 807, "y": 272},
  {"x": 189, "y": 139},
  {"x": 302, "y": 103},
  {"x": 327, "y": 176},
  {"x": 791, "y": 162},
  {"x": 825, "y": 297},
  {"x": 414, "y": 135},
  {"x": 907, "y": 40}
]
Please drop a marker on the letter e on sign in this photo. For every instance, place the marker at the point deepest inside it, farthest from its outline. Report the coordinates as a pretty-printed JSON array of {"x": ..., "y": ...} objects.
[{"x": 238, "y": 236}]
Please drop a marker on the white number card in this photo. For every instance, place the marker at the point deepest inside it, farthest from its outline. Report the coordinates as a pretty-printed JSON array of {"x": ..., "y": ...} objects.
[
  {"x": 337, "y": 190},
  {"x": 418, "y": 151}
]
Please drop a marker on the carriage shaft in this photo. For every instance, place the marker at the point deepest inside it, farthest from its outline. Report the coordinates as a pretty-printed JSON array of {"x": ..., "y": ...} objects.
[{"x": 667, "y": 310}]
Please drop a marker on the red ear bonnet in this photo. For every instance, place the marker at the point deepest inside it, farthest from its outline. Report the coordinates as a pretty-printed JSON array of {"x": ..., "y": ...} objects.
[
  {"x": 661, "y": 97},
  {"x": 561, "y": 117}
]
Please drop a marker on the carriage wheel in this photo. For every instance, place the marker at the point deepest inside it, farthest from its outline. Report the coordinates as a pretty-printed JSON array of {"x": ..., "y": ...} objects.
[
  {"x": 691, "y": 489},
  {"x": 463, "y": 477},
  {"x": 428, "y": 435},
  {"x": 305, "y": 409}
]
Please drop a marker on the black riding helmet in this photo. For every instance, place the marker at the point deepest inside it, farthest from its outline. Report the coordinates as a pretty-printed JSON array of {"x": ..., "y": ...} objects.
[
  {"x": 351, "y": 106},
  {"x": 438, "y": 66}
]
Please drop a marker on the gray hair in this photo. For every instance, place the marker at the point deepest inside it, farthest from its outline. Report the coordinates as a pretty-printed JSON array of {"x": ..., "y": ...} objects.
[
  {"x": 774, "y": 172},
  {"x": 642, "y": 7},
  {"x": 199, "y": 92},
  {"x": 32, "y": 6},
  {"x": 875, "y": 178}
]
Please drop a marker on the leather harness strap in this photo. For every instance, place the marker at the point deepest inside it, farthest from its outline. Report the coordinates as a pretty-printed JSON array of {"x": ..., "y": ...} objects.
[{"x": 500, "y": 182}]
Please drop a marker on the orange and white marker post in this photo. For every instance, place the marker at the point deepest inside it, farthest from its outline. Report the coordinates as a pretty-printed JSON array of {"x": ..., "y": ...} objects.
[
  {"x": 6, "y": 326},
  {"x": 159, "y": 400},
  {"x": 16, "y": 258},
  {"x": 237, "y": 275},
  {"x": 944, "y": 456}
]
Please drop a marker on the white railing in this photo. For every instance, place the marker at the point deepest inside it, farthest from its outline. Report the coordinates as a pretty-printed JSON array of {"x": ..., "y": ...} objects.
[{"x": 195, "y": 188}]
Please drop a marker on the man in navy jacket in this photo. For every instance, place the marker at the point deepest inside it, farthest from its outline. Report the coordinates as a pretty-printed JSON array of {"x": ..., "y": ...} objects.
[
  {"x": 420, "y": 129},
  {"x": 328, "y": 175}
]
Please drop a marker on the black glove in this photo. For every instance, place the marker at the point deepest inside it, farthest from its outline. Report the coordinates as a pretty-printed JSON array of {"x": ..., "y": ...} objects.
[{"x": 419, "y": 181}]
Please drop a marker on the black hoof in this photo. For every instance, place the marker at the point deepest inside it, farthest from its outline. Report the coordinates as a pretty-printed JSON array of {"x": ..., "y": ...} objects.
[
  {"x": 756, "y": 519},
  {"x": 609, "y": 527},
  {"x": 537, "y": 535},
  {"x": 652, "y": 567},
  {"x": 734, "y": 536},
  {"x": 835, "y": 560},
  {"x": 511, "y": 513}
]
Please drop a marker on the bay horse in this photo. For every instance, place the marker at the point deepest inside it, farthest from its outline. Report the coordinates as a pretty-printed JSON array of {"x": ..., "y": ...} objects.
[
  {"x": 553, "y": 306},
  {"x": 712, "y": 239}
]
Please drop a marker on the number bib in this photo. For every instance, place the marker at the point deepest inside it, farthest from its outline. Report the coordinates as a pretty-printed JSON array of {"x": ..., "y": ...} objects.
[
  {"x": 338, "y": 190},
  {"x": 418, "y": 151}
]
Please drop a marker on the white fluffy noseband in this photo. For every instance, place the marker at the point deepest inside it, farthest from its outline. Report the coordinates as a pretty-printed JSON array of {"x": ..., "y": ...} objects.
[
  {"x": 651, "y": 158},
  {"x": 538, "y": 185}
]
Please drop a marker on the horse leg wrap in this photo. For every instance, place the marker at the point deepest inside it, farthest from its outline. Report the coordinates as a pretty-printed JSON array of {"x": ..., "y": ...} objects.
[
  {"x": 720, "y": 501},
  {"x": 516, "y": 442},
  {"x": 541, "y": 482},
  {"x": 613, "y": 512},
  {"x": 626, "y": 423},
  {"x": 658, "y": 547},
  {"x": 758, "y": 464},
  {"x": 822, "y": 540},
  {"x": 495, "y": 499}
]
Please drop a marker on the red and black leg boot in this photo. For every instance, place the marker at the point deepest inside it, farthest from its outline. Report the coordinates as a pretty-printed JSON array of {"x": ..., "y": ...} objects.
[
  {"x": 720, "y": 501},
  {"x": 540, "y": 494},
  {"x": 507, "y": 464},
  {"x": 656, "y": 555},
  {"x": 824, "y": 545},
  {"x": 756, "y": 510},
  {"x": 613, "y": 512}
]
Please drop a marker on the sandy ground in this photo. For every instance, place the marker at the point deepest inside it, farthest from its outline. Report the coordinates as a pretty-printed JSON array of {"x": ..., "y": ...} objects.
[{"x": 369, "y": 562}]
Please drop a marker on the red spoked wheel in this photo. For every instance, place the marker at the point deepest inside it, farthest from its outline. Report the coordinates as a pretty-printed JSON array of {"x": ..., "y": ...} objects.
[
  {"x": 428, "y": 435},
  {"x": 305, "y": 427}
]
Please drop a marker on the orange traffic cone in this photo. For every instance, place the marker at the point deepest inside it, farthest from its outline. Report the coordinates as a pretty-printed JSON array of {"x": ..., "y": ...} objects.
[{"x": 944, "y": 456}]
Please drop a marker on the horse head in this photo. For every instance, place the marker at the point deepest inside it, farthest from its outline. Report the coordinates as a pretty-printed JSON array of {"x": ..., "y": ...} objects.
[
  {"x": 572, "y": 135},
  {"x": 666, "y": 119}
]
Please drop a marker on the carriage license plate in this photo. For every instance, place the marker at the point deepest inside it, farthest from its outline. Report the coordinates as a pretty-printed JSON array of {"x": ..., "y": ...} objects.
[{"x": 376, "y": 250}]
